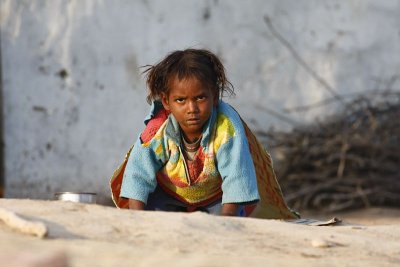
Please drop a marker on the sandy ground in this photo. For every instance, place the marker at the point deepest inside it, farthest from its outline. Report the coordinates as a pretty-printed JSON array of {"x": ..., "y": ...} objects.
[{"x": 94, "y": 235}]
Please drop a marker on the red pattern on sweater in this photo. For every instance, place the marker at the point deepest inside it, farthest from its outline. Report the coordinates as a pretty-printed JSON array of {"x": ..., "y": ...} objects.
[
  {"x": 195, "y": 166},
  {"x": 153, "y": 125}
]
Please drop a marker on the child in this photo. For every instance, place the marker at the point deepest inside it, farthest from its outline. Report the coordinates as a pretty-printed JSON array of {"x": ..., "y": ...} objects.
[{"x": 194, "y": 153}]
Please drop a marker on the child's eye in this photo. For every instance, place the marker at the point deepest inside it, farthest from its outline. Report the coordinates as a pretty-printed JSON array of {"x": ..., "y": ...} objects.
[
  {"x": 201, "y": 97},
  {"x": 180, "y": 100}
]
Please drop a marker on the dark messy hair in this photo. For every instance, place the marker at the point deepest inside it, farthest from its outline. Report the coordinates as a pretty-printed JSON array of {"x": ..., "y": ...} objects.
[{"x": 199, "y": 63}]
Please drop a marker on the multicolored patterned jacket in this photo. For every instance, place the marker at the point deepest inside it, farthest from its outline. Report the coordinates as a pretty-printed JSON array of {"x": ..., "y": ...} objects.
[{"x": 223, "y": 166}]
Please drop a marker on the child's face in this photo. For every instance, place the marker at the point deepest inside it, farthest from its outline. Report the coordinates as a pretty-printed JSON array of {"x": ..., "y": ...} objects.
[{"x": 191, "y": 103}]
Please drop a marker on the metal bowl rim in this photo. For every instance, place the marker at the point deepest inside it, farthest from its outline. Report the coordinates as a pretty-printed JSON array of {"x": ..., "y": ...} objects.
[{"x": 74, "y": 193}]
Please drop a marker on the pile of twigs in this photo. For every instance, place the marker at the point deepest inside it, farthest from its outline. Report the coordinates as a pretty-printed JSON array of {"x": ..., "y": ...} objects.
[{"x": 350, "y": 160}]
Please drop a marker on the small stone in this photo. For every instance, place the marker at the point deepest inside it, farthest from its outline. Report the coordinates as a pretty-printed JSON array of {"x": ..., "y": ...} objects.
[{"x": 321, "y": 243}]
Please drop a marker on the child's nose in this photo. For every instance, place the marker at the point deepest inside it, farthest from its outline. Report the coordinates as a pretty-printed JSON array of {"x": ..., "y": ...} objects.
[{"x": 193, "y": 107}]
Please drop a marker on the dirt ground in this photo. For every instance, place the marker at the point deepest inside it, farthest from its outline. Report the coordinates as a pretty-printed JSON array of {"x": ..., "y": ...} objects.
[{"x": 95, "y": 235}]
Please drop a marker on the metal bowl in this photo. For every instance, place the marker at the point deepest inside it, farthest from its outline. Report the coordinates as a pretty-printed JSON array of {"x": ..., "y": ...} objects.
[{"x": 80, "y": 197}]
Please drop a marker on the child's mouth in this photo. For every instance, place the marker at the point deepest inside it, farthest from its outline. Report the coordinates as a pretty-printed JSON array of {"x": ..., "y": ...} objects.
[{"x": 193, "y": 121}]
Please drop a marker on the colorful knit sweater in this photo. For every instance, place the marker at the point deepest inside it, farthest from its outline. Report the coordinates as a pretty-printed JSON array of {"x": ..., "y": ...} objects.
[{"x": 222, "y": 167}]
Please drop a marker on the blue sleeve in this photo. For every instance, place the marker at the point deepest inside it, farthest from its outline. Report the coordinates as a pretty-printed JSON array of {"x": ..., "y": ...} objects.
[
  {"x": 140, "y": 173},
  {"x": 235, "y": 164}
]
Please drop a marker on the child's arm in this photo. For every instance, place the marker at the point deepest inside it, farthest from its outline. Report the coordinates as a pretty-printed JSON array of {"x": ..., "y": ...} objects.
[
  {"x": 144, "y": 161},
  {"x": 235, "y": 164},
  {"x": 229, "y": 209},
  {"x": 136, "y": 204},
  {"x": 140, "y": 173}
]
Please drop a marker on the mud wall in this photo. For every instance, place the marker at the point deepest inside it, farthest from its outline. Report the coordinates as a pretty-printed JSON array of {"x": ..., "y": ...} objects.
[{"x": 74, "y": 97}]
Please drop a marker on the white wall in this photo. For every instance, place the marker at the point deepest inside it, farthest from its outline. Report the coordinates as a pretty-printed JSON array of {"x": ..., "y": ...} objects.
[{"x": 70, "y": 133}]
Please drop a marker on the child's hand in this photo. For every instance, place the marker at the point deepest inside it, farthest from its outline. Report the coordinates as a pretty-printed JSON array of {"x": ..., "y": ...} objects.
[
  {"x": 136, "y": 204},
  {"x": 229, "y": 209}
]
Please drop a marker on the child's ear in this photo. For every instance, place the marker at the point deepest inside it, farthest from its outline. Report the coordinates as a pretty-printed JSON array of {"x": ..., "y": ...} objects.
[{"x": 164, "y": 101}]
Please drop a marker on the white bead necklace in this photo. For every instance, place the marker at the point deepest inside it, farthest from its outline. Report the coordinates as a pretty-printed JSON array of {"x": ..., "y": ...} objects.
[{"x": 191, "y": 147}]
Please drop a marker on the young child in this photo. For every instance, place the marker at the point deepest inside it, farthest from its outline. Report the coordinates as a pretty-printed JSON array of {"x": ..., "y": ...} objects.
[{"x": 194, "y": 153}]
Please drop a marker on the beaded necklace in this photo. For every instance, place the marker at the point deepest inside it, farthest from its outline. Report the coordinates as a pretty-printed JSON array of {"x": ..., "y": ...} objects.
[{"x": 191, "y": 147}]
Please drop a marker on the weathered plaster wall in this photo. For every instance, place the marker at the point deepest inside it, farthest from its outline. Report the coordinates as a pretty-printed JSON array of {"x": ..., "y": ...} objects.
[{"x": 74, "y": 99}]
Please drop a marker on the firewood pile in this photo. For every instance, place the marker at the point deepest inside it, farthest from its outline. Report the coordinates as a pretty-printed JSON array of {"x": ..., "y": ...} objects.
[{"x": 350, "y": 160}]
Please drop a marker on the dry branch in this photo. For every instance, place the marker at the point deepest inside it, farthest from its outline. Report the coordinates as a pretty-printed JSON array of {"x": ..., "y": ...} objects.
[{"x": 351, "y": 160}]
